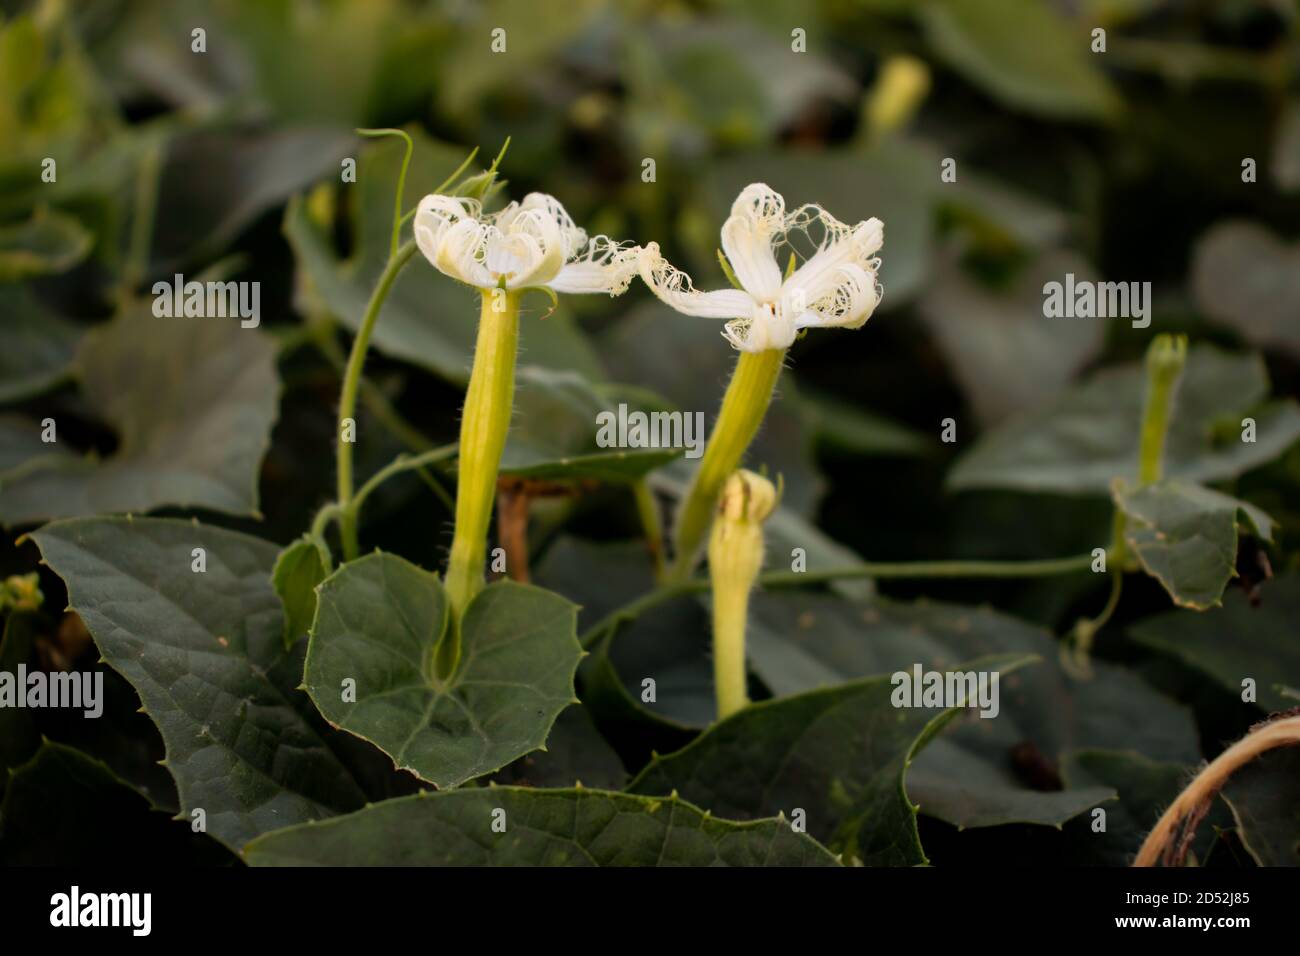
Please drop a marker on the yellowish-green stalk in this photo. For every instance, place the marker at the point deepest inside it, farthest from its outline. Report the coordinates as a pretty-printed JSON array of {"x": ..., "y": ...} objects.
[
  {"x": 483, "y": 427},
  {"x": 743, "y": 407},
  {"x": 735, "y": 559},
  {"x": 1164, "y": 364}
]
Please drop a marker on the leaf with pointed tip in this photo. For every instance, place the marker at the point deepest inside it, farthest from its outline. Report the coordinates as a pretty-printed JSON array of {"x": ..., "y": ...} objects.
[
  {"x": 298, "y": 569},
  {"x": 1088, "y": 436},
  {"x": 986, "y": 772},
  {"x": 578, "y": 827},
  {"x": 1237, "y": 641},
  {"x": 193, "y": 402},
  {"x": 205, "y": 654},
  {"x": 1185, "y": 536},
  {"x": 378, "y": 620},
  {"x": 64, "y": 808},
  {"x": 839, "y": 754}
]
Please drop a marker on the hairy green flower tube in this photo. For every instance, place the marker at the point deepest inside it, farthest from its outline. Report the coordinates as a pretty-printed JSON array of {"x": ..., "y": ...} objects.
[
  {"x": 743, "y": 408},
  {"x": 735, "y": 558},
  {"x": 483, "y": 427}
]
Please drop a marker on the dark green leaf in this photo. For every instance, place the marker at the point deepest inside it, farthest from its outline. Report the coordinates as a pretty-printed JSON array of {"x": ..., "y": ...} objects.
[
  {"x": 1089, "y": 436},
  {"x": 1265, "y": 799},
  {"x": 206, "y": 655},
  {"x": 1052, "y": 75},
  {"x": 542, "y": 828},
  {"x": 377, "y": 622},
  {"x": 987, "y": 772},
  {"x": 1186, "y": 536},
  {"x": 192, "y": 401},
  {"x": 1236, "y": 642},
  {"x": 839, "y": 755},
  {"x": 63, "y": 808}
]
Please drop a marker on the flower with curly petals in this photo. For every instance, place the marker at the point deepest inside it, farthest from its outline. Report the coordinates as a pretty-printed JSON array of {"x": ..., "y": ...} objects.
[
  {"x": 529, "y": 244},
  {"x": 836, "y": 285}
]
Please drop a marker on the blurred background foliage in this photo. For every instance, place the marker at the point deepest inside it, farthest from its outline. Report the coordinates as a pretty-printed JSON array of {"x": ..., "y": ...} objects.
[{"x": 1125, "y": 165}]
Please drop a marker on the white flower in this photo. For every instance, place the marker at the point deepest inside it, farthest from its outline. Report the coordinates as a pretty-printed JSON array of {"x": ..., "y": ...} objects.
[
  {"x": 835, "y": 287},
  {"x": 525, "y": 245}
]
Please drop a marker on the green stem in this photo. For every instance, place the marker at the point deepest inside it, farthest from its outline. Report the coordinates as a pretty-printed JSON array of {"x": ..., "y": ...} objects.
[
  {"x": 648, "y": 512},
  {"x": 398, "y": 219},
  {"x": 348, "y": 398},
  {"x": 1164, "y": 365},
  {"x": 398, "y": 465},
  {"x": 898, "y": 570},
  {"x": 484, "y": 423},
  {"x": 743, "y": 407}
]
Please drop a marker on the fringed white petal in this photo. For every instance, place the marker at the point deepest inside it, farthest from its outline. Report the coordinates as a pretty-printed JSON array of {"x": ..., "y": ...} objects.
[
  {"x": 756, "y": 224},
  {"x": 839, "y": 245},
  {"x": 673, "y": 288},
  {"x": 604, "y": 266},
  {"x": 449, "y": 233},
  {"x": 852, "y": 294}
]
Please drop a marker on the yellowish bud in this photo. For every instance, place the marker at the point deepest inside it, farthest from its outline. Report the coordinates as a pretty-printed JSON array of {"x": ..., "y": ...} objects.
[{"x": 735, "y": 559}]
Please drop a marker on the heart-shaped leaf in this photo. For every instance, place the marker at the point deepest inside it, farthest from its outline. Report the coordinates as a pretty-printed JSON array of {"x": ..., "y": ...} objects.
[
  {"x": 193, "y": 402},
  {"x": 204, "y": 651},
  {"x": 577, "y": 827},
  {"x": 369, "y": 668},
  {"x": 1186, "y": 536},
  {"x": 1089, "y": 435},
  {"x": 837, "y": 755}
]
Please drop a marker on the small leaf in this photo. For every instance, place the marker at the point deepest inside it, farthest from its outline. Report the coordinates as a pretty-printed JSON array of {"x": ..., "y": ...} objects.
[
  {"x": 578, "y": 827},
  {"x": 1259, "y": 301},
  {"x": 378, "y": 620},
  {"x": 297, "y": 571},
  {"x": 205, "y": 653},
  {"x": 1185, "y": 536}
]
